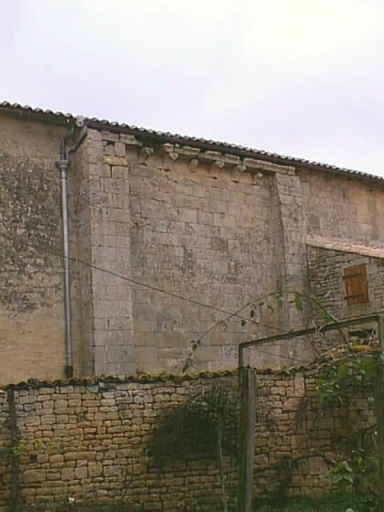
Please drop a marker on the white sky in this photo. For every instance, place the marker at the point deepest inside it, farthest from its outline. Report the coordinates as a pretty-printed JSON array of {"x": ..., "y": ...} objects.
[{"x": 299, "y": 77}]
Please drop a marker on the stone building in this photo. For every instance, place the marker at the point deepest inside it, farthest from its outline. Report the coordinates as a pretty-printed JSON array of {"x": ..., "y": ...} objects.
[{"x": 168, "y": 237}]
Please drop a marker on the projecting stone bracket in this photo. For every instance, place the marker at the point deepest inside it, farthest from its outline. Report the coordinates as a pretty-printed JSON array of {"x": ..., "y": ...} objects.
[
  {"x": 130, "y": 140},
  {"x": 218, "y": 162},
  {"x": 193, "y": 164},
  {"x": 141, "y": 150},
  {"x": 237, "y": 172},
  {"x": 170, "y": 156},
  {"x": 144, "y": 155},
  {"x": 215, "y": 168}
]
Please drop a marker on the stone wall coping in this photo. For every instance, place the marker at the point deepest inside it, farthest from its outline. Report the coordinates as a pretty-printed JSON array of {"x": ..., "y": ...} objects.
[
  {"x": 143, "y": 378},
  {"x": 147, "y": 378}
]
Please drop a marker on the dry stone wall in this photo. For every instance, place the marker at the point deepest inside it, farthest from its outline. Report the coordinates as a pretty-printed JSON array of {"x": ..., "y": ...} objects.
[
  {"x": 5, "y": 445},
  {"x": 91, "y": 441}
]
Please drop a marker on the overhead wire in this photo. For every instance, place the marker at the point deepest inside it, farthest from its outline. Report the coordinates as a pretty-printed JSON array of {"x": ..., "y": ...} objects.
[
  {"x": 136, "y": 282},
  {"x": 148, "y": 286}
]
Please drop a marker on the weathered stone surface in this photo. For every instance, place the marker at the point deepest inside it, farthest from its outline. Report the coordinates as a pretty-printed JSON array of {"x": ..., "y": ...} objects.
[
  {"x": 117, "y": 161},
  {"x": 292, "y": 404},
  {"x": 95, "y": 462},
  {"x": 33, "y": 475},
  {"x": 326, "y": 267},
  {"x": 166, "y": 241},
  {"x": 31, "y": 298}
]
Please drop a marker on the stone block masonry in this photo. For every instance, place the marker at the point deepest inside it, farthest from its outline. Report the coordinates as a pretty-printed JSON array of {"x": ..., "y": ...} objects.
[
  {"x": 5, "y": 444},
  {"x": 104, "y": 301},
  {"x": 326, "y": 268},
  {"x": 31, "y": 290},
  {"x": 169, "y": 238},
  {"x": 90, "y": 440},
  {"x": 201, "y": 225},
  {"x": 195, "y": 228}
]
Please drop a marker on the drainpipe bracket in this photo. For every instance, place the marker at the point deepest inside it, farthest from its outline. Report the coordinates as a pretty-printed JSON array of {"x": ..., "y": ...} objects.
[{"x": 62, "y": 165}]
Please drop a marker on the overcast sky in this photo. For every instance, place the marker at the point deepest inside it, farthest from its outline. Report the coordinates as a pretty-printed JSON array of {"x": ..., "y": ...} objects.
[{"x": 298, "y": 77}]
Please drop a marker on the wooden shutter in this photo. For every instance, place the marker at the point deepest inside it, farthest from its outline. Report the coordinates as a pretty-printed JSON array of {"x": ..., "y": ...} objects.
[{"x": 356, "y": 284}]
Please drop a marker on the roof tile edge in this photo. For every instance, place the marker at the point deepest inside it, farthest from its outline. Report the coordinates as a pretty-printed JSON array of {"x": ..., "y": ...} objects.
[{"x": 16, "y": 108}]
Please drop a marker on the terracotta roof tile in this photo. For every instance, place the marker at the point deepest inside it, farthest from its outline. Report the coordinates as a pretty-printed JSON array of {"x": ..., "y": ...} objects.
[{"x": 16, "y": 108}]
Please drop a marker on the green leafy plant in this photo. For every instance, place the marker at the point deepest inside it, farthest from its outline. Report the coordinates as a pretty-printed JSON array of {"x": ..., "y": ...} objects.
[
  {"x": 335, "y": 502},
  {"x": 344, "y": 376},
  {"x": 206, "y": 423},
  {"x": 342, "y": 474},
  {"x": 25, "y": 446},
  {"x": 275, "y": 301}
]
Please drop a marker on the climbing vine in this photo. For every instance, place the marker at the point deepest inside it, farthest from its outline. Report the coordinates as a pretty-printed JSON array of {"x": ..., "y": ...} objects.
[
  {"x": 251, "y": 312},
  {"x": 206, "y": 423},
  {"x": 345, "y": 375}
]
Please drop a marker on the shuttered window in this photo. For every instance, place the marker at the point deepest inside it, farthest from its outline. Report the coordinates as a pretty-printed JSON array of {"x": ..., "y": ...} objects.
[{"x": 356, "y": 284}]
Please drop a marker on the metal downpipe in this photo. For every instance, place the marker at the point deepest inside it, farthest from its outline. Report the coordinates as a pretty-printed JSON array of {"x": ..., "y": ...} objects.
[{"x": 63, "y": 166}]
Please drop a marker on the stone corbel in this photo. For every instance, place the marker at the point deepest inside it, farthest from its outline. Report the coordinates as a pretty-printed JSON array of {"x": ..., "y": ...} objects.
[
  {"x": 129, "y": 140},
  {"x": 215, "y": 158},
  {"x": 237, "y": 172},
  {"x": 215, "y": 169},
  {"x": 231, "y": 159},
  {"x": 193, "y": 165},
  {"x": 170, "y": 156},
  {"x": 256, "y": 177},
  {"x": 144, "y": 155},
  {"x": 210, "y": 156},
  {"x": 253, "y": 165},
  {"x": 190, "y": 154},
  {"x": 187, "y": 152}
]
